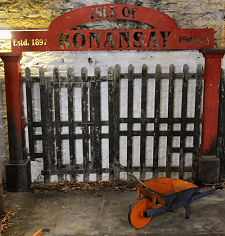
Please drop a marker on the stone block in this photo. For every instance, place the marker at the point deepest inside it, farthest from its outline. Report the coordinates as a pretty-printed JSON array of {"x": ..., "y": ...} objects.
[
  {"x": 32, "y": 14},
  {"x": 3, "y": 15},
  {"x": 208, "y": 169},
  {"x": 18, "y": 177}
]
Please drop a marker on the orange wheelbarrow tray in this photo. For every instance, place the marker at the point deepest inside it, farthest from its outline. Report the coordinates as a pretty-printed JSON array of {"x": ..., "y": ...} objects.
[{"x": 163, "y": 194}]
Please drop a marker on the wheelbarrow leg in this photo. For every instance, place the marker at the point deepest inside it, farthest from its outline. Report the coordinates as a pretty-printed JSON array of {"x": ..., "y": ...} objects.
[
  {"x": 187, "y": 202},
  {"x": 187, "y": 211}
]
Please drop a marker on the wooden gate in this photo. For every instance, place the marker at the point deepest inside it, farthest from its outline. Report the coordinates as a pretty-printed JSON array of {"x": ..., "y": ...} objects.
[{"x": 150, "y": 122}]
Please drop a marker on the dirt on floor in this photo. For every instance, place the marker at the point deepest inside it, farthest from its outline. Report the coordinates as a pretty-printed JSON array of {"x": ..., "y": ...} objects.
[
  {"x": 79, "y": 186},
  {"x": 86, "y": 209}
]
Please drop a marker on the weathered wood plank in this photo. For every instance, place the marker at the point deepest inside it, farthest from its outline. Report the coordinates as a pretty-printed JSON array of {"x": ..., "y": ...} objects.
[
  {"x": 96, "y": 126},
  {"x": 111, "y": 122},
  {"x": 156, "y": 123},
  {"x": 70, "y": 79},
  {"x": 116, "y": 110},
  {"x": 85, "y": 128},
  {"x": 51, "y": 133},
  {"x": 46, "y": 126},
  {"x": 143, "y": 120},
  {"x": 130, "y": 118},
  {"x": 183, "y": 123},
  {"x": 170, "y": 119},
  {"x": 198, "y": 97},
  {"x": 29, "y": 112},
  {"x": 58, "y": 142}
]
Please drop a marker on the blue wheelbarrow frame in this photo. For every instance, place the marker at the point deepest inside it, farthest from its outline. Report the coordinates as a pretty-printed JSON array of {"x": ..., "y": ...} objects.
[
  {"x": 160, "y": 195},
  {"x": 183, "y": 198}
]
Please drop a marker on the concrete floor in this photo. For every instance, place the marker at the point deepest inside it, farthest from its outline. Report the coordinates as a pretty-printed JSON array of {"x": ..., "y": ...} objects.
[{"x": 105, "y": 213}]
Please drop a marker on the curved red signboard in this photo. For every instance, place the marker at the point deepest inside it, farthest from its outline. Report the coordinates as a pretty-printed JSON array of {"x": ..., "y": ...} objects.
[{"x": 163, "y": 35}]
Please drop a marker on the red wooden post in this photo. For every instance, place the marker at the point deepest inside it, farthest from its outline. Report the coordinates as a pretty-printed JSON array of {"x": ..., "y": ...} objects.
[
  {"x": 211, "y": 102},
  {"x": 209, "y": 163},
  {"x": 18, "y": 169}
]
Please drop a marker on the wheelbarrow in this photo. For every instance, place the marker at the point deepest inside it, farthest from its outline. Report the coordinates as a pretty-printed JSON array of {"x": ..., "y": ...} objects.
[{"x": 162, "y": 194}]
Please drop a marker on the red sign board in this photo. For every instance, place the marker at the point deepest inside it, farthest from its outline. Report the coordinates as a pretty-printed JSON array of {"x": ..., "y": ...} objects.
[{"x": 163, "y": 35}]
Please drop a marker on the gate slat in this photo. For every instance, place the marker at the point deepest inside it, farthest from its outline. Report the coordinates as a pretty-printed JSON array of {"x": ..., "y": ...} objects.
[
  {"x": 85, "y": 127},
  {"x": 111, "y": 122},
  {"x": 71, "y": 79},
  {"x": 116, "y": 109},
  {"x": 143, "y": 120},
  {"x": 29, "y": 113},
  {"x": 96, "y": 128},
  {"x": 93, "y": 141},
  {"x": 198, "y": 96},
  {"x": 51, "y": 137},
  {"x": 183, "y": 123},
  {"x": 58, "y": 139},
  {"x": 156, "y": 123},
  {"x": 46, "y": 125},
  {"x": 130, "y": 118},
  {"x": 170, "y": 119}
]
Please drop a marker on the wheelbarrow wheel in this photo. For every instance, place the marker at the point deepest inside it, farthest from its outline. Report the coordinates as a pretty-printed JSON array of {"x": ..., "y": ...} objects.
[{"x": 136, "y": 217}]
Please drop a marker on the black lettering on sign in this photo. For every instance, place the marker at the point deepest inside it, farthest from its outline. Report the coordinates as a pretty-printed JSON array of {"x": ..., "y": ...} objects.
[
  {"x": 113, "y": 11},
  {"x": 92, "y": 13},
  {"x": 193, "y": 39},
  {"x": 165, "y": 36},
  {"x": 133, "y": 11},
  {"x": 138, "y": 38},
  {"x": 95, "y": 37},
  {"x": 98, "y": 12},
  {"x": 63, "y": 39},
  {"x": 109, "y": 40},
  {"x": 113, "y": 39},
  {"x": 125, "y": 36},
  {"x": 80, "y": 41},
  {"x": 126, "y": 12},
  {"x": 104, "y": 12},
  {"x": 153, "y": 40}
]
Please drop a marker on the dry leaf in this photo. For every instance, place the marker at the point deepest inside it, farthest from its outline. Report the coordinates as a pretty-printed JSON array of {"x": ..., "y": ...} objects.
[
  {"x": 78, "y": 186},
  {"x": 5, "y": 221}
]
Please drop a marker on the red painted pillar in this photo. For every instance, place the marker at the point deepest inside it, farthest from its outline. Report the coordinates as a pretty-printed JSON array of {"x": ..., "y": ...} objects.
[
  {"x": 13, "y": 102},
  {"x": 211, "y": 102},
  {"x": 209, "y": 163},
  {"x": 17, "y": 169}
]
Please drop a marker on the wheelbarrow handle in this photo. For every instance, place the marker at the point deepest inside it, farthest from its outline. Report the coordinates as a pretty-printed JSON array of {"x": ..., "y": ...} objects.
[
  {"x": 138, "y": 180},
  {"x": 219, "y": 187},
  {"x": 204, "y": 194}
]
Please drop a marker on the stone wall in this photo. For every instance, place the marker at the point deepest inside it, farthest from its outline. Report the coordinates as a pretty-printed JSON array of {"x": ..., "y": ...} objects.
[{"x": 19, "y": 14}]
